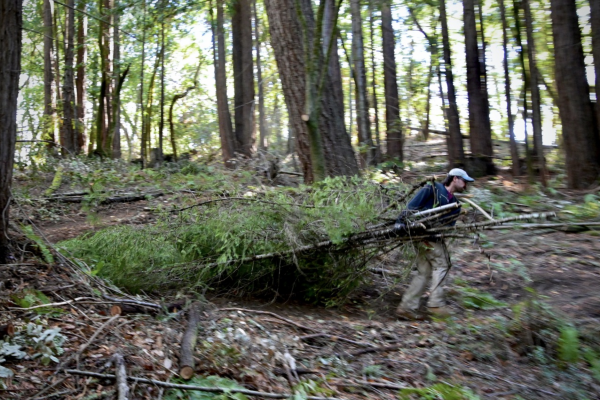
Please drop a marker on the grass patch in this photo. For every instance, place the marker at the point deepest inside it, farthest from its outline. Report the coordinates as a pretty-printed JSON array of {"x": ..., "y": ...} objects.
[{"x": 203, "y": 246}]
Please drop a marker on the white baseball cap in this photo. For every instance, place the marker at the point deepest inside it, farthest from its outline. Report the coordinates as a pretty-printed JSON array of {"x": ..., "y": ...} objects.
[{"x": 461, "y": 173}]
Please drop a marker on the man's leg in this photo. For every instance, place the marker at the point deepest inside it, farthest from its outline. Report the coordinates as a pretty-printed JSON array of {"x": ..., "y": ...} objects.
[
  {"x": 410, "y": 299},
  {"x": 439, "y": 259}
]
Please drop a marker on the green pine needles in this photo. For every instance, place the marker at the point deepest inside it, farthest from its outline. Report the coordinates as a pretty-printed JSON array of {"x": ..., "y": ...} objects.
[{"x": 277, "y": 243}]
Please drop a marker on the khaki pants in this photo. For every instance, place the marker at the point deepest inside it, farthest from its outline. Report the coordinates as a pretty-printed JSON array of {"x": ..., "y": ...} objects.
[{"x": 432, "y": 266}]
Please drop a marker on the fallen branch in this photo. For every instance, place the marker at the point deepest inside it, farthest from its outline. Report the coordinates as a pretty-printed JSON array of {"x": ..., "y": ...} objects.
[
  {"x": 335, "y": 338},
  {"x": 127, "y": 197},
  {"x": 241, "y": 199},
  {"x": 492, "y": 223},
  {"x": 188, "y": 343},
  {"x": 471, "y": 202},
  {"x": 193, "y": 387},
  {"x": 94, "y": 336},
  {"x": 382, "y": 349},
  {"x": 121, "y": 374},
  {"x": 546, "y": 226},
  {"x": 289, "y": 321},
  {"x": 494, "y": 377},
  {"x": 135, "y": 302},
  {"x": 366, "y": 384}
]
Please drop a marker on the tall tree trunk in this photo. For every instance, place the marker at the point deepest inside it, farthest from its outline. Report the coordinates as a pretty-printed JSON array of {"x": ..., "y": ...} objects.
[
  {"x": 580, "y": 135},
  {"x": 117, "y": 83},
  {"x": 50, "y": 128},
  {"x": 514, "y": 153},
  {"x": 143, "y": 154},
  {"x": 161, "y": 123},
  {"x": 225, "y": 127},
  {"x": 315, "y": 120},
  {"x": 480, "y": 132},
  {"x": 425, "y": 127},
  {"x": 595, "y": 22},
  {"x": 104, "y": 120},
  {"x": 80, "y": 92},
  {"x": 456, "y": 153},
  {"x": 262, "y": 126},
  {"x": 374, "y": 84},
  {"x": 69, "y": 140},
  {"x": 11, "y": 21},
  {"x": 243, "y": 76},
  {"x": 536, "y": 105},
  {"x": 336, "y": 142},
  {"x": 517, "y": 5},
  {"x": 150, "y": 100},
  {"x": 362, "y": 105},
  {"x": 392, "y": 107}
]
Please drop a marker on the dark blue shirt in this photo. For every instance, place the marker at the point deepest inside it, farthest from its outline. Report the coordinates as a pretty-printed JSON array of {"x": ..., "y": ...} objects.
[{"x": 432, "y": 196}]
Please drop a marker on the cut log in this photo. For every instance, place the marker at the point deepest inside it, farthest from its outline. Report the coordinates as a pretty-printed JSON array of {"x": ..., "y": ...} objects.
[
  {"x": 188, "y": 343},
  {"x": 121, "y": 374},
  {"x": 7, "y": 330}
]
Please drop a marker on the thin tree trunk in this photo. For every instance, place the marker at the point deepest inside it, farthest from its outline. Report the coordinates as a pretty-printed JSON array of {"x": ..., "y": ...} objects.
[
  {"x": 538, "y": 146},
  {"x": 480, "y": 133},
  {"x": 243, "y": 76},
  {"x": 225, "y": 126},
  {"x": 150, "y": 100},
  {"x": 517, "y": 5},
  {"x": 80, "y": 92},
  {"x": 516, "y": 168},
  {"x": 374, "y": 85},
  {"x": 175, "y": 99},
  {"x": 428, "y": 104},
  {"x": 161, "y": 123},
  {"x": 11, "y": 23},
  {"x": 117, "y": 83},
  {"x": 50, "y": 128},
  {"x": 143, "y": 154},
  {"x": 362, "y": 105},
  {"x": 262, "y": 126},
  {"x": 69, "y": 141},
  {"x": 579, "y": 131},
  {"x": 456, "y": 154},
  {"x": 392, "y": 107}
]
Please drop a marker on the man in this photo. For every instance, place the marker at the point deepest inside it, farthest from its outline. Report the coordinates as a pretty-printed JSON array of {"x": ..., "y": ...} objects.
[{"x": 433, "y": 260}]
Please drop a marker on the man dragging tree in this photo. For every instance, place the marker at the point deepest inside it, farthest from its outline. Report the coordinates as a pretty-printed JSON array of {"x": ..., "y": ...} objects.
[{"x": 433, "y": 259}]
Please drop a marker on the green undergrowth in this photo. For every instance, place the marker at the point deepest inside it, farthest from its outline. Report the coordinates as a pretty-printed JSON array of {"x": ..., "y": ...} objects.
[{"x": 211, "y": 245}]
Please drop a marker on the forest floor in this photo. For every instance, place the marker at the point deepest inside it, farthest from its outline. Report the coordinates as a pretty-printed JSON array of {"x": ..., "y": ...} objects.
[{"x": 356, "y": 351}]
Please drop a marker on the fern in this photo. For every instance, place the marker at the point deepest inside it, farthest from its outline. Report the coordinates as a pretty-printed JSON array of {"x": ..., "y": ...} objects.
[
  {"x": 568, "y": 344},
  {"x": 31, "y": 235}
]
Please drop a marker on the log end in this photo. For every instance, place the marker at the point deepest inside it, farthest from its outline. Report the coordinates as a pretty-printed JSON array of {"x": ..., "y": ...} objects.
[
  {"x": 7, "y": 330},
  {"x": 186, "y": 372},
  {"x": 116, "y": 310}
]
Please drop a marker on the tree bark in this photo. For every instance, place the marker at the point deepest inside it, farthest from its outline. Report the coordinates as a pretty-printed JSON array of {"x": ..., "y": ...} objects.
[
  {"x": 595, "y": 22},
  {"x": 80, "y": 92},
  {"x": 579, "y": 131},
  {"x": 365, "y": 140},
  {"x": 393, "y": 124},
  {"x": 11, "y": 22},
  {"x": 117, "y": 84},
  {"x": 456, "y": 153},
  {"x": 50, "y": 128},
  {"x": 480, "y": 132},
  {"x": 262, "y": 125},
  {"x": 225, "y": 126},
  {"x": 143, "y": 154},
  {"x": 68, "y": 138},
  {"x": 104, "y": 120},
  {"x": 243, "y": 76},
  {"x": 536, "y": 105},
  {"x": 374, "y": 84},
  {"x": 301, "y": 69},
  {"x": 514, "y": 153}
]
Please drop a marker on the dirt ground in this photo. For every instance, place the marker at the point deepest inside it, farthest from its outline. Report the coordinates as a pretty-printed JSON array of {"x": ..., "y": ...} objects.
[{"x": 357, "y": 351}]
